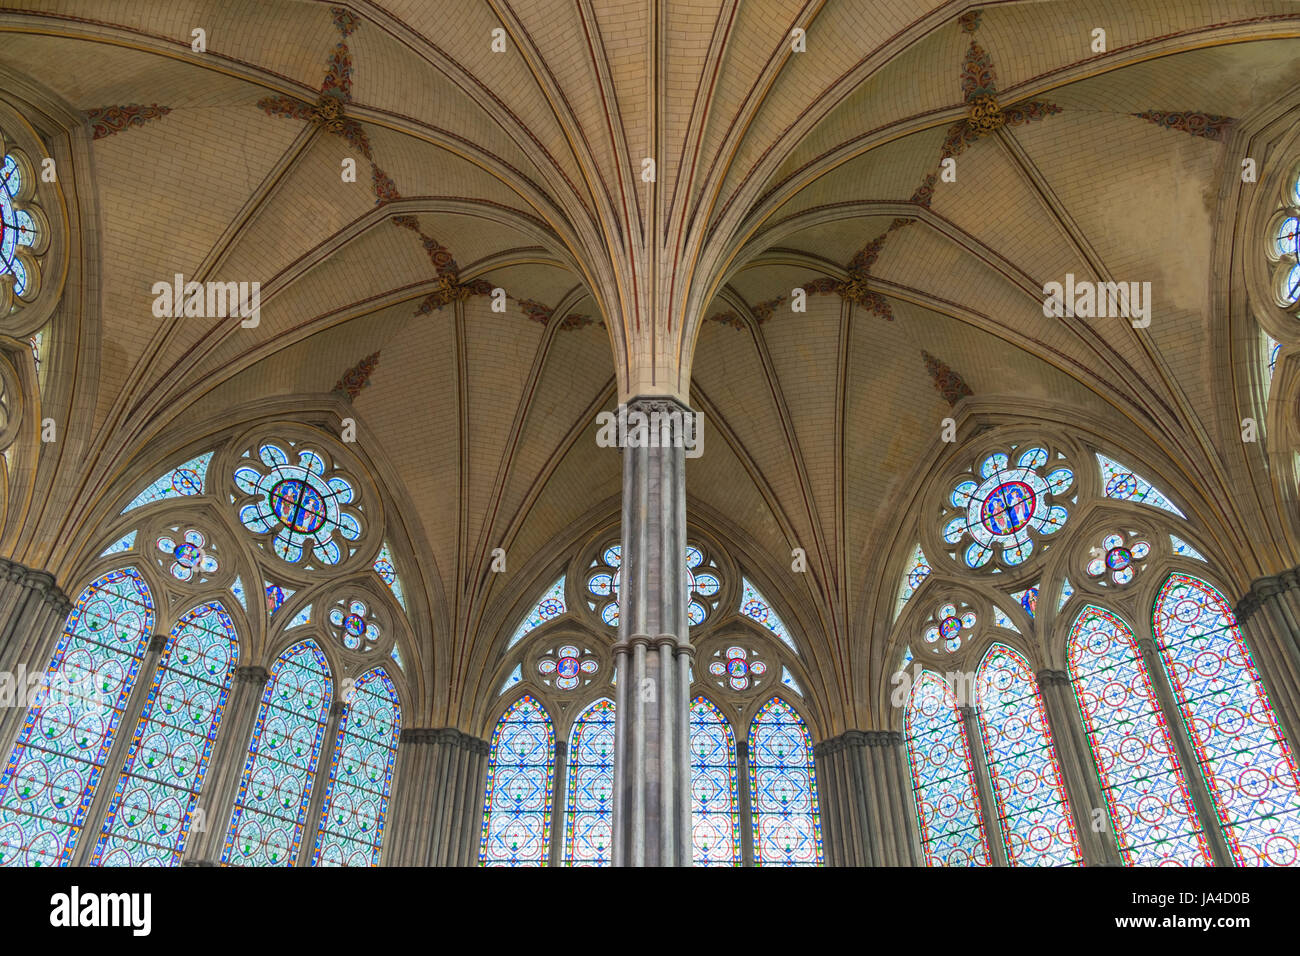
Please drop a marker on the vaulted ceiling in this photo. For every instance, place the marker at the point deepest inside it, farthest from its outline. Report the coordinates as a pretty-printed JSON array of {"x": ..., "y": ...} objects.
[{"x": 775, "y": 169}]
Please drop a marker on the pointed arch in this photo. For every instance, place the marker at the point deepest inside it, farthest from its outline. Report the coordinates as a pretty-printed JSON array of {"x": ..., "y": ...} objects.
[
  {"x": 50, "y": 777},
  {"x": 1247, "y": 764},
  {"x": 1028, "y": 789},
  {"x": 715, "y": 787},
  {"x": 588, "y": 802},
  {"x": 267, "y": 823},
  {"x": 943, "y": 777},
  {"x": 520, "y": 783},
  {"x": 1150, "y": 807},
  {"x": 149, "y": 817},
  {"x": 351, "y": 826},
  {"x": 783, "y": 782}
]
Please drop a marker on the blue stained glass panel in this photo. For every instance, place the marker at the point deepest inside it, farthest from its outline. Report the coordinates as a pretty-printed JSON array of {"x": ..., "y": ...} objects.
[
  {"x": 787, "y": 828},
  {"x": 1123, "y": 485},
  {"x": 271, "y": 807},
  {"x": 50, "y": 777},
  {"x": 753, "y": 606},
  {"x": 1150, "y": 807},
  {"x": 1037, "y": 825},
  {"x": 521, "y": 780},
  {"x": 1246, "y": 762},
  {"x": 149, "y": 817},
  {"x": 588, "y": 804},
  {"x": 715, "y": 799},
  {"x": 361, "y": 775},
  {"x": 943, "y": 777},
  {"x": 182, "y": 481},
  {"x": 550, "y": 606}
]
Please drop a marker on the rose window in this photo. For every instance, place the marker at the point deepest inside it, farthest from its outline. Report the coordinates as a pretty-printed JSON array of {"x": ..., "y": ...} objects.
[
  {"x": 303, "y": 511},
  {"x": 1008, "y": 502},
  {"x": 189, "y": 555},
  {"x": 566, "y": 666},
  {"x": 949, "y": 627},
  {"x": 734, "y": 664},
  {"x": 703, "y": 584},
  {"x": 354, "y": 625},
  {"x": 24, "y": 232},
  {"x": 1118, "y": 559}
]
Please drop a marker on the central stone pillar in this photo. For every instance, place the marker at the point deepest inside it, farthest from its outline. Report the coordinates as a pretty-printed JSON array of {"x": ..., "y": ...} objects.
[{"x": 652, "y": 777}]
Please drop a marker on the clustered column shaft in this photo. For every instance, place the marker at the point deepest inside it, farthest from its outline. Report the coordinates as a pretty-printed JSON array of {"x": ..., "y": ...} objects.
[
  {"x": 437, "y": 805},
  {"x": 652, "y": 810},
  {"x": 866, "y": 800}
]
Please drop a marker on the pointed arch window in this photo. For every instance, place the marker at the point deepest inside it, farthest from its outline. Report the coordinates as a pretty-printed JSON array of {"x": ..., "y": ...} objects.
[
  {"x": 1247, "y": 764},
  {"x": 787, "y": 830},
  {"x": 50, "y": 777},
  {"x": 1037, "y": 826},
  {"x": 588, "y": 823},
  {"x": 715, "y": 799},
  {"x": 943, "y": 777},
  {"x": 521, "y": 780},
  {"x": 270, "y": 809},
  {"x": 351, "y": 827},
  {"x": 1150, "y": 807},
  {"x": 148, "y": 819}
]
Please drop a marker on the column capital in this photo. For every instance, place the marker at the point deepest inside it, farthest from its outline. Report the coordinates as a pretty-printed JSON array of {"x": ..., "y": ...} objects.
[
  {"x": 655, "y": 403},
  {"x": 445, "y": 736},
  {"x": 1051, "y": 678},
  {"x": 1261, "y": 589},
  {"x": 251, "y": 675},
  {"x": 157, "y": 643}
]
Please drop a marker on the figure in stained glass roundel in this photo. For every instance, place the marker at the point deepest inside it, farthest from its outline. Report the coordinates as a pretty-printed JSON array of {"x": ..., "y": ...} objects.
[{"x": 1005, "y": 503}]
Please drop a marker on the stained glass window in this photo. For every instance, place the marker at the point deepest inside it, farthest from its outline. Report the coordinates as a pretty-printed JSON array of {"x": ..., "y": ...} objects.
[
  {"x": 124, "y": 543},
  {"x": 715, "y": 800},
  {"x": 550, "y": 606},
  {"x": 788, "y": 680},
  {"x": 1246, "y": 762},
  {"x": 191, "y": 556},
  {"x": 1028, "y": 599},
  {"x": 387, "y": 571},
  {"x": 149, "y": 817},
  {"x": 1146, "y": 795},
  {"x": 50, "y": 776},
  {"x": 1185, "y": 550},
  {"x": 703, "y": 585},
  {"x": 1067, "y": 592},
  {"x": 1272, "y": 348},
  {"x": 588, "y": 807},
  {"x": 307, "y": 514},
  {"x": 783, "y": 784},
  {"x": 753, "y": 606},
  {"x": 361, "y": 775},
  {"x": 520, "y": 782},
  {"x": 943, "y": 778},
  {"x": 271, "y": 807},
  {"x": 237, "y": 589},
  {"x": 1002, "y": 619},
  {"x": 918, "y": 569},
  {"x": 23, "y": 228},
  {"x": 183, "y": 481},
  {"x": 1123, "y": 485},
  {"x": 516, "y": 676},
  {"x": 998, "y": 506},
  {"x": 1037, "y": 826}
]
